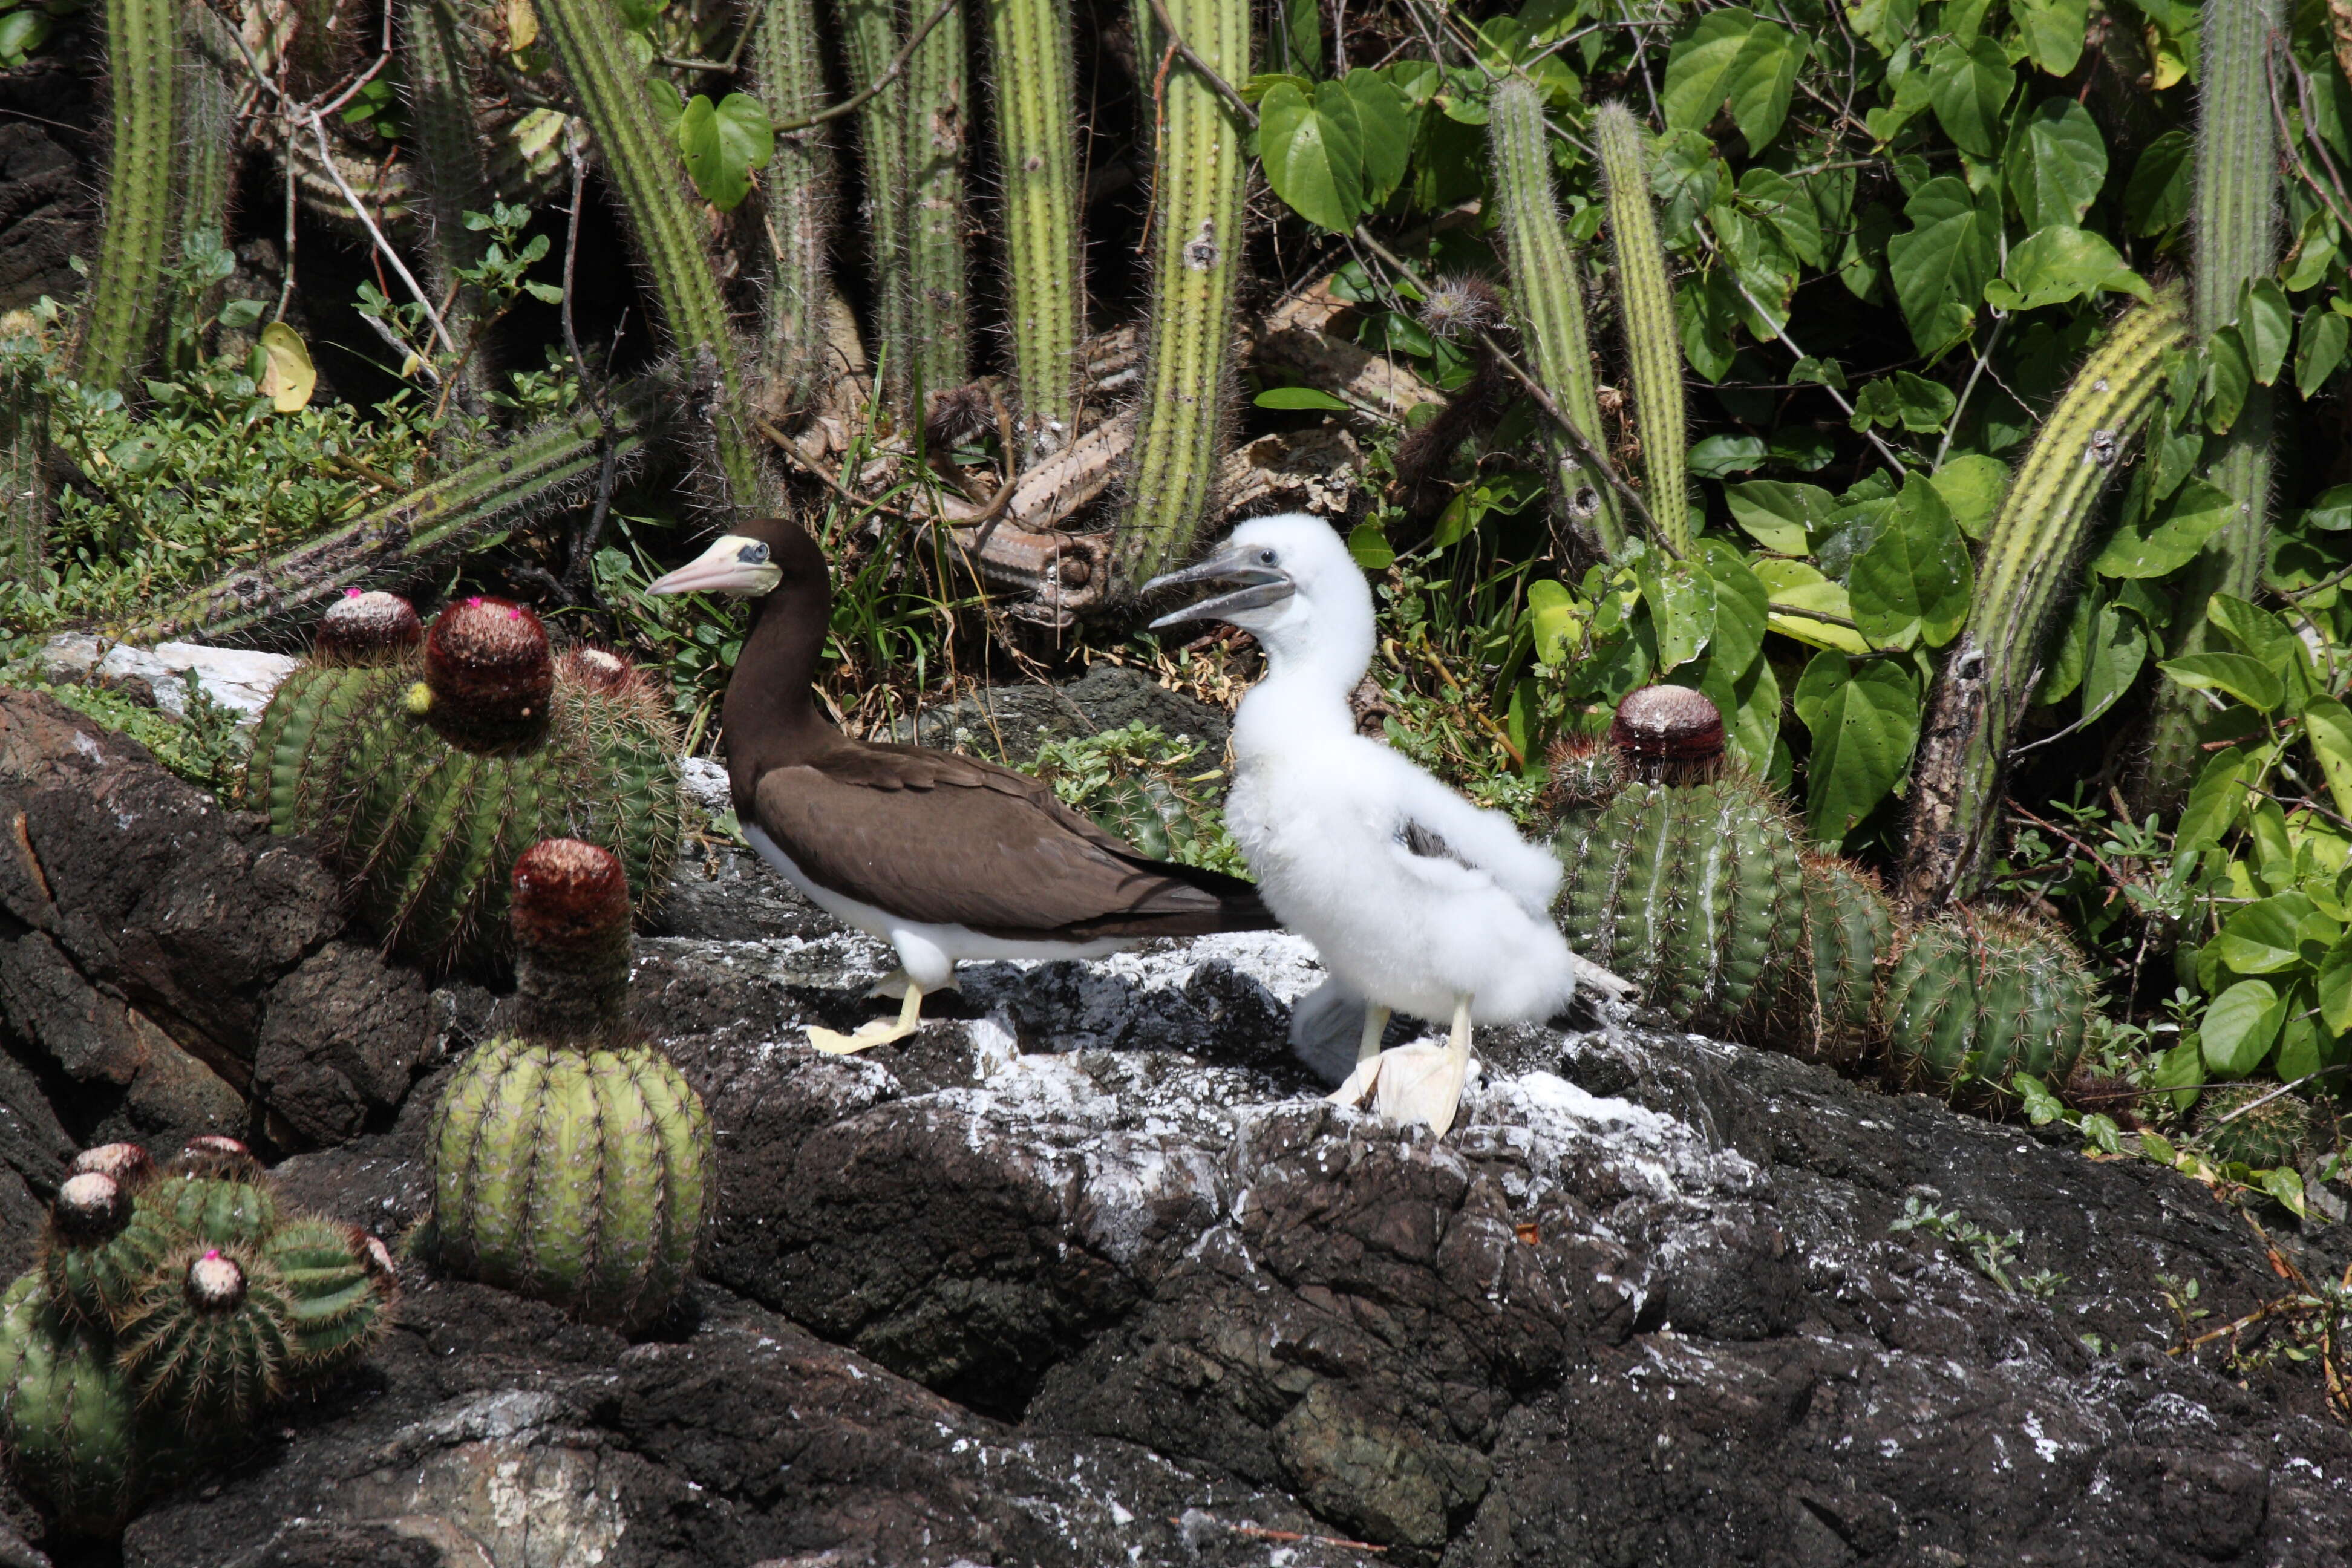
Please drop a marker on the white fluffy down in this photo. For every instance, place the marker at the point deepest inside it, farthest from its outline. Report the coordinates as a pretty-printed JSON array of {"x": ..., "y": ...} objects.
[{"x": 1321, "y": 813}]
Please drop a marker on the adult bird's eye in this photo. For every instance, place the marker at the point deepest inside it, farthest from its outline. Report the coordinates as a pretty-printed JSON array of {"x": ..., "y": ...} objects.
[{"x": 752, "y": 554}]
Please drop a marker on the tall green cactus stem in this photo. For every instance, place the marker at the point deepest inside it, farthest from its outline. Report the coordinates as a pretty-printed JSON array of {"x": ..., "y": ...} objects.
[
  {"x": 1978, "y": 996},
  {"x": 406, "y": 540},
  {"x": 643, "y": 160},
  {"x": 204, "y": 174},
  {"x": 2233, "y": 227},
  {"x": 24, "y": 477},
  {"x": 449, "y": 157},
  {"x": 2036, "y": 537},
  {"x": 796, "y": 201},
  {"x": 1037, "y": 157},
  {"x": 1548, "y": 300},
  {"x": 1653, "y": 344},
  {"x": 870, "y": 37},
  {"x": 69, "y": 1422},
  {"x": 1197, "y": 262},
  {"x": 126, "y": 292},
  {"x": 939, "y": 124}
]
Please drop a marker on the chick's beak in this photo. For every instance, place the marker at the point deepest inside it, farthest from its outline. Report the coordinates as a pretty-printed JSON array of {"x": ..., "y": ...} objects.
[
  {"x": 733, "y": 565},
  {"x": 1252, "y": 585}
]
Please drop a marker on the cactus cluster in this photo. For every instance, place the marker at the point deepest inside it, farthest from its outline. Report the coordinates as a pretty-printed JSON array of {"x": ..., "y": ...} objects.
[
  {"x": 2255, "y": 1124},
  {"x": 426, "y": 775},
  {"x": 173, "y": 1305},
  {"x": 1976, "y": 995},
  {"x": 572, "y": 1162}
]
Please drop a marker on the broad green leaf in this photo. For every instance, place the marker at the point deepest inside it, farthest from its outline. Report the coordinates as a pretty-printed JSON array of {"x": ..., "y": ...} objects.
[
  {"x": 2245, "y": 678},
  {"x": 1741, "y": 606},
  {"x": 1370, "y": 547},
  {"x": 2328, "y": 725},
  {"x": 2264, "y": 937},
  {"x": 1705, "y": 316},
  {"x": 2181, "y": 1069},
  {"x": 1301, "y": 35},
  {"x": 723, "y": 143},
  {"x": 1552, "y": 615},
  {"x": 1795, "y": 588},
  {"x": 2335, "y": 991},
  {"x": 2332, "y": 512},
  {"x": 2057, "y": 162},
  {"x": 2261, "y": 633},
  {"x": 1941, "y": 265},
  {"x": 2239, "y": 1028},
  {"x": 1776, "y": 200},
  {"x": 2061, "y": 263},
  {"x": 1864, "y": 719},
  {"x": 2054, "y": 32},
  {"x": 1299, "y": 397},
  {"x": 2319, "y": 349},
  {"x": 2196, "y": 513},
  {"x": 1681, "y": 599},
  {"x": 1915, "y": 581},
  {"x": 2214, "y": 801},
  {"x": 1968, "y": 88},
  {"x": 1720, "y": 455},
  {"x": 1732, "y": 57},
  {"x": 1335, "y": 155},
  {"x": 2116, "y": 648},
  {"x": 1972, "y": 487},
  {"x": 2157, "y": 194},
  {"x": 2229, "y": 373},
  {"x": 288, "y": 377},
  {"x": 2265, "y": 323},
  {"x": 1779, "y": 515},
  {"x": 2286, "y": 1186}
]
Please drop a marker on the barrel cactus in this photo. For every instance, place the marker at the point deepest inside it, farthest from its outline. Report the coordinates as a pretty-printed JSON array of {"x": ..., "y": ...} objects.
[
  {"x": 1824, "y": 1005},
  {"x": 2237, "y": 1130},
  {"x": 425, "y": 774},
  {"x": 572, "y": 1162},
  {"x": 68, "y": 1421},
  {"x": 338, "y": 1282},
  {"x": 1976, "y": 995},
  {"x": 209, "y": 1339}
]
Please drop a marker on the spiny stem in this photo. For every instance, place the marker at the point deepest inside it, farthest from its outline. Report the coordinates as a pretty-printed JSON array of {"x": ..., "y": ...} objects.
[
  {"x": 797, "y": 197},
  {"x": 1044, "y": 285},
  {"x": 939, "y": 116},
  {"x": 126, "y": 294},
  {"x": 869, "y": 39},
  {"x": 1652, "y": 345}
]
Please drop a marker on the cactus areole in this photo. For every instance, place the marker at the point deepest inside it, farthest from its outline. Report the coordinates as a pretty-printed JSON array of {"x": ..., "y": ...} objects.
[{"x": 367, "y": 628}]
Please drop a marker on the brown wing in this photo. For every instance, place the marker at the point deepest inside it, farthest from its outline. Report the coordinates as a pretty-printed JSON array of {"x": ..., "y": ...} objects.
[{"x": 945, "y": 839}]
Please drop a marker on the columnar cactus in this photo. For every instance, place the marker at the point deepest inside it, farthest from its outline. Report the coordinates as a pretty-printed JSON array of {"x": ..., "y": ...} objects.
[
  {"x": 870, "y": 36},
  {"x": 2234, "y": 1127},
  {"x": 1037, "y": 157},
  {"x": 2028, "y": 560},
  {"x": 1976, "y": 996},
  {"x": 1647, "y": 296},
  {"x": 68, "y": 1421},
  {"x": 424, "y": 792},
  {"x": 1548, "y": 299},
  {"x": 938, "y": 121},
  {"x": 449, "y": 145},
  {"x": 127, "y": 289},
  {"x": 796, "y": 199},
  {"x": 571, "y": 1163},
  {"x": 1197, "y": 261}
]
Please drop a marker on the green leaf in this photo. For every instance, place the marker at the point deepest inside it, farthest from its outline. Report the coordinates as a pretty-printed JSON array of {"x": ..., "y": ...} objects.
[
  {"x": 2335, "y": 991},
  {"x": 1915, "y": 581},
  {"x": 1370, "y": 547},
  {"x": 2229, "y": 373},
  {"x": 1796, "y": 587},
  {"x": 2332, "y": 512},
  {"x": 1972, "y": 487},
  {"x": 2056, "y": 164},
  {"x": 1741, "y": 606},
  {"x": 1335, "y": 156},
  {"x": 1967, "y": 86},
  {"x": 1299, "y": 397},
  {"x": 1863, "y": 719},
  {"x": 2116, "y": 650},
  {"x": 2328, "y": 725},
  {"x": 2264, "y": 937},
  {"x": 1779, "y": 516},
  {"x": 1941, "y": 265},
  {"x": 2162, "y": 184},
  {"x": 2247, "y": 679},
  {"x": 2040, "y": 1105},
  {"x": 2061, "y": 263},
  {"x": 2319, "y": 349},
  {"x": 1551, "y": 616},
  {"x": 2181, "y": 1069},
  {"x": 2214, "y": 801},
  {"x": 723, "y": 143},
  {"x": 1720, "y": 455},
  {"x": 2265, "y": 323},
  {"x": 2196, "y": 513},
  {"x": 1681, "y": 599},
  {"x": 2239, "y": 1028},
  {"x": 1775, "y": 198},
  {"x": 2286, "y": 1186},
  {"x": 1732, "y": 57},
  {"x": 2054, "y": 32}
]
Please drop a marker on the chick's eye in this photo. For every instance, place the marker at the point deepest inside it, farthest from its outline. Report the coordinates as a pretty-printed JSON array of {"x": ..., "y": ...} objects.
[
  {"x": 753, "y": 555},
  {"x": 1265, "y": 557}
]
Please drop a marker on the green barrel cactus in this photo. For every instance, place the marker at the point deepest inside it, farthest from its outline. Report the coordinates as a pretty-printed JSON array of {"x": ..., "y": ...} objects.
[
  {"x": 68, "y": 1421},
  {"x": 2268, "y": 1135},
  {"x": 1147, "y": 811},
  {"x": 209, "y": 1341},
  {"x": 424, "y": 779},
  {"x": 1976, "y": 996},
  {"x": 94, "y": 1258},
  {"x": 1824, "y": 1003},
  {"x": 572, "y": 1162},
  {"x": 338, "y": 1289}
]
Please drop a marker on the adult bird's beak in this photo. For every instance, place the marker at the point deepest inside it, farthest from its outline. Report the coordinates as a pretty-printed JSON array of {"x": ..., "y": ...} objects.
[
  {"x": 1254, "y": 585},
  {"x": 733, "y": 565}
]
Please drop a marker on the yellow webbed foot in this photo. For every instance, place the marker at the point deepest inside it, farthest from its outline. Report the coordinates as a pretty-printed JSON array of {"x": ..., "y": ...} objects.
[{"x": 881, "y": 1032}]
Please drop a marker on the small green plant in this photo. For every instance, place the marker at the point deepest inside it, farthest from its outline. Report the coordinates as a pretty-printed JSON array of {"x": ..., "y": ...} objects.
[
  {"x": 1992, "y": 1254},
  {"x": 1157, "y": 792}
]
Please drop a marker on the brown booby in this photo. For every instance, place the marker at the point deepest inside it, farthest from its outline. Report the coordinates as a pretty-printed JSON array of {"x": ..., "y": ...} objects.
[{"x": 942, "y": 856}]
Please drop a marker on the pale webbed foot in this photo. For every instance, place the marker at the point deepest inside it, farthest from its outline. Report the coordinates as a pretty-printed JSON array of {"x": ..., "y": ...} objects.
[
  {"x": 1420, "y": 1082},
  {"x": 881, "y": 1032}
]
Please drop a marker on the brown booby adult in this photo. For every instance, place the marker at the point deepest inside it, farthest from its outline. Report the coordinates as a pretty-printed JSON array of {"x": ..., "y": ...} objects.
[{"x": 942, "y": 856}]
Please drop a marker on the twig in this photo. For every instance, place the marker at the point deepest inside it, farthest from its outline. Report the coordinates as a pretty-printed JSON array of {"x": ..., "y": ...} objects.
[
  {"x": 890, "y": 73},
  {"x": 1952, "y": 426},
  {"x": 1224, "y": 89},
  {"x": 327, "y": 156}
]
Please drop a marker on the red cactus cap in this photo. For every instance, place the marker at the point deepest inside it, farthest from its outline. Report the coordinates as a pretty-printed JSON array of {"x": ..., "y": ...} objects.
[
  {"x": 567, "y": 894},
  {"x": 91, "y": 1207},
  {"x": 1668, "y": 723},
  {"x": 128, "y": 1164},
  {"x": 215, "y": 1283},
  {"x": 367, "y": 629},
  {"x": 488, "y": 665}
]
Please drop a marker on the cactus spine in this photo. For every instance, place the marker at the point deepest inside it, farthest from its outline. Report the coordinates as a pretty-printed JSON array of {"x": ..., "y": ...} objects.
[
  {"x": 2036, "y": 537},
  {"x": 938, "y": 114},
  {"x": 1044, "y": 286},
  {"x": 126, "y": 292},
  {"x": 2235, "y": 1129},
  {"x": 797, "y": 198},
  {"x": 1197, "y": 245},
  {"x": 1548, "y": 298},
  {"x": 568, "y": 1164},
  {"x": 1977, "y": 996},
  {"x": 643, "y": 161},
  {"x": 2234, "y": 229},
  {"x": 870, "y": 36},
  {"x": 209, "y": 1338},
  {"x": 449, "y": 158},
  {"x": 1653, "y": 344}
]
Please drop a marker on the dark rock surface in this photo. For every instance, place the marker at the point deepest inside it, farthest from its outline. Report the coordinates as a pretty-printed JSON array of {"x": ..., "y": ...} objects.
[{"x": 1084, "y": 1273}]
